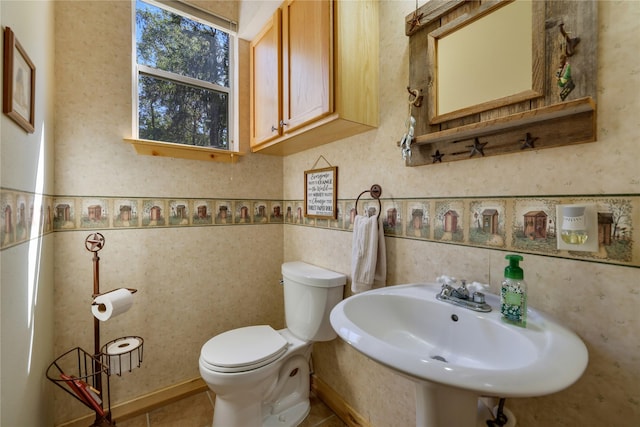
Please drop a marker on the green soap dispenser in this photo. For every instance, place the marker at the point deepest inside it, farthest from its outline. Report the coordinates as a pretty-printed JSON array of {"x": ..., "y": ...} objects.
[{"x": 513, "y": 293}]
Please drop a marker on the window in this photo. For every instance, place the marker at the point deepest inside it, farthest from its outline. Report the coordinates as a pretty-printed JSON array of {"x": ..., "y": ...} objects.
[{"x": 185, "y": 76}]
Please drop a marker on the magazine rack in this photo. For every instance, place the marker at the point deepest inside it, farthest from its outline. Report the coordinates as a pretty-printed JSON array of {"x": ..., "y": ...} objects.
[{"x": 80, "y": 374}]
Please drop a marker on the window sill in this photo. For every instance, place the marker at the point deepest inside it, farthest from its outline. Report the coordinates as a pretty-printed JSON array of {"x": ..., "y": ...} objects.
[{"x": 180, "y": 151}]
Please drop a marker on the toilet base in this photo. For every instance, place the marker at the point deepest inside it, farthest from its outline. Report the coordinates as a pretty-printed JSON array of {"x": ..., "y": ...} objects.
[
  {"x": 289, "y": 403},
  {"x": 278, "y": 397},
  {"x": 287, "y": 412},
  {"x": 291, "y": 417}
]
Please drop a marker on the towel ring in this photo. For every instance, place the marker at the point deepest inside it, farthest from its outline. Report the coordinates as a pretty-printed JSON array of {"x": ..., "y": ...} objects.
[{"x": 376, "y": 192}]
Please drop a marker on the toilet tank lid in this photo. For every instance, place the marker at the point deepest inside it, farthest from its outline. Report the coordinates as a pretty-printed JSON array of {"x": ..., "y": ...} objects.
[{"x": 312, "y": 275}]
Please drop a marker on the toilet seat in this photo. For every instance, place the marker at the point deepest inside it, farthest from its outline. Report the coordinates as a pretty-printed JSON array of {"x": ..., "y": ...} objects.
[{"x": 243, "y": 349}]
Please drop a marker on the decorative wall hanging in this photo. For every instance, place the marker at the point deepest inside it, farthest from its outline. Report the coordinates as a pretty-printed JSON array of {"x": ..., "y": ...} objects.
[
  {"x": 19, "y": 87},
  {"x": 551, "y": 104},
  {"x": 321, "y": 191}
]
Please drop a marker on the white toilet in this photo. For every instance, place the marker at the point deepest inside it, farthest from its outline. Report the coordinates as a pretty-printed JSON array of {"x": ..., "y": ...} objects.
[{"x": 261, "y": 376}]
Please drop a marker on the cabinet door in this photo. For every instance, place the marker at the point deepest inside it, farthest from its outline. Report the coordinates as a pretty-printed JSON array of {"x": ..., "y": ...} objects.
[
  {"x": 266, "y": 86},
  {"x": 307, "y": 62}
]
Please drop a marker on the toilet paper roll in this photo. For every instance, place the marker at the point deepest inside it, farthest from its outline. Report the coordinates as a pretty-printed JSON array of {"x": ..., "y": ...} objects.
[
  {"x": 122, "y": 355},
  {"x": 112, "y": 304}
]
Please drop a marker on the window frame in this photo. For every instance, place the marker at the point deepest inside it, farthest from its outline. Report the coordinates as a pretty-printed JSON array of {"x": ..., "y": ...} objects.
[{"x": 207, "y": 18}]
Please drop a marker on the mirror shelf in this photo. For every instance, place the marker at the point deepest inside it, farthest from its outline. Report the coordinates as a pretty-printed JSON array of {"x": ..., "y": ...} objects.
[{"x": 534, "y": 118}]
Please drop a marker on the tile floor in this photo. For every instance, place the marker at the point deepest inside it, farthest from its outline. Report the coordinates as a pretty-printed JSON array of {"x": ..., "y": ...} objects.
[{"x": 197, "y": 411}]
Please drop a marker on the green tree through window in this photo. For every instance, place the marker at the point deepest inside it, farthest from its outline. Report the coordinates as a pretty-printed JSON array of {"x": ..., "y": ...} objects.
[{"x": 184, "y": 75}]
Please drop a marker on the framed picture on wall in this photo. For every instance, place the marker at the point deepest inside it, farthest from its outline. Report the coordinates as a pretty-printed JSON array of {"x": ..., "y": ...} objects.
[
  {"x": 320, "y": 193},
  {"x": 19, "y": 89}
]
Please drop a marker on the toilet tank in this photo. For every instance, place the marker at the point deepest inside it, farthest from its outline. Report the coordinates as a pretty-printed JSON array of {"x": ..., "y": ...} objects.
[{"x": 310, "y": 292}]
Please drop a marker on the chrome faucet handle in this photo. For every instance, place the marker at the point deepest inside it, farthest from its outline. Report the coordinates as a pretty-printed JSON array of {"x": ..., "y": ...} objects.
[
  {"x": 446, "y": 289},
  {"x": 478, "y": 297}
]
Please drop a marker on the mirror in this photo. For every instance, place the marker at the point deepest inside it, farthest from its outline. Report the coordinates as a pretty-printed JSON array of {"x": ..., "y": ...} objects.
[{"x": 487, "y": 59}]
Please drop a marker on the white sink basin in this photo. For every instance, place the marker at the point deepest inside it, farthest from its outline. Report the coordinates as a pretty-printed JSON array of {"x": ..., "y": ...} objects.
[{"x": 407, "y": 329}]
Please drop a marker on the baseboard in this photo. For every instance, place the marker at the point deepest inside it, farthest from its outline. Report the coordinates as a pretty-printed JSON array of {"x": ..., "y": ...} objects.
[
  {"x": 146, "y": 403},
  {"x": 337, "y": 404},
  {"x": 157, "y": 399}
]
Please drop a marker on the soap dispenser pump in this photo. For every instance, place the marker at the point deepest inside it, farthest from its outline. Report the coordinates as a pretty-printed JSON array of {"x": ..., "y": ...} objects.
[{"x": 513, "y": 293}]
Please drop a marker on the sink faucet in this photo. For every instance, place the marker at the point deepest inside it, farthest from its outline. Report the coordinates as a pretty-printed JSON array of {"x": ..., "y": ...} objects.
[
  {"x": 462, "y": 291},
  {"x": 460, "y": 296}
]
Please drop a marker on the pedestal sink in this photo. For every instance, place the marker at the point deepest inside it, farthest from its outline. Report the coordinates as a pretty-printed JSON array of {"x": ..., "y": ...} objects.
[{"x": 456, "y": 355}]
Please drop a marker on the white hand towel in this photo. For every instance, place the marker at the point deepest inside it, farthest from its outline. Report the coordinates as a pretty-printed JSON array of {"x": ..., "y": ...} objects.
[{"x": 368, "y": 254}]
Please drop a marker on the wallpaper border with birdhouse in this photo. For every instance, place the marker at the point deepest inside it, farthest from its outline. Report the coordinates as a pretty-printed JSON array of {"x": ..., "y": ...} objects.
[{"x": 518, "y": 224}]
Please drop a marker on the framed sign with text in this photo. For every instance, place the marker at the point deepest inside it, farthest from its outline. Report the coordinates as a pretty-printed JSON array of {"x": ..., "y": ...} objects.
[{"x": 320, "y": 193}]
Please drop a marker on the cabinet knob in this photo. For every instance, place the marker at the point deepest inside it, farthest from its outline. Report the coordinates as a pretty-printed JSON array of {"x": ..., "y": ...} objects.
[
  {"x": 273, "y": 128},
  {"x": 283, "y": 123}
]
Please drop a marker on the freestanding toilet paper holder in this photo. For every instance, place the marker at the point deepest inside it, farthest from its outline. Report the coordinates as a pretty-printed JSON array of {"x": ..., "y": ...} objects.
[{"x": 79, "y": 373}]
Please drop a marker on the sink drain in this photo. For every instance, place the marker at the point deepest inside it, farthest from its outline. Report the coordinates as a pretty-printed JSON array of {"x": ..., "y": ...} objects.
[{"x": 440, "y": 358}]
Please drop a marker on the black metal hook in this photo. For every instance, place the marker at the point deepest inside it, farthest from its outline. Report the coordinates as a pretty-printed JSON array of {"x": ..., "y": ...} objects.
[{"x": 570, "y": 43}]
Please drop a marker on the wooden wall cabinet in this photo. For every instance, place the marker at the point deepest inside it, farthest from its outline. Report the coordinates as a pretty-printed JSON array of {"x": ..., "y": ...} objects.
[
  {"x": 266, "y": 86},
  {"x": 548, "y": 118},
  {"x": 314, "y": 75}
]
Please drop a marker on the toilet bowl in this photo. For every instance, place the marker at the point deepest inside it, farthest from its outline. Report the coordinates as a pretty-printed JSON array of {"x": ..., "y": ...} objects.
[
  {"x": 260, "y": 375},
  {"x": 271, "y": 389}
]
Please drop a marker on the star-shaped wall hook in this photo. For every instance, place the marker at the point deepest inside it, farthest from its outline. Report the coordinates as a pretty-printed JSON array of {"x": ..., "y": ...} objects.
[
  {"x": 414, "y": 21},
  {"x": 437, "y": 157},
  {"x": 528, "y": 141},
  {"x": 477, "y": 147}
]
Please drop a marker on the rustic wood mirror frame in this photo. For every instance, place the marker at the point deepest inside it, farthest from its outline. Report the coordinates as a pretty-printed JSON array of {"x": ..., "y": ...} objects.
[
  {"x": 544, "y": 121},
  {"x": 536, "y": 50}
]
